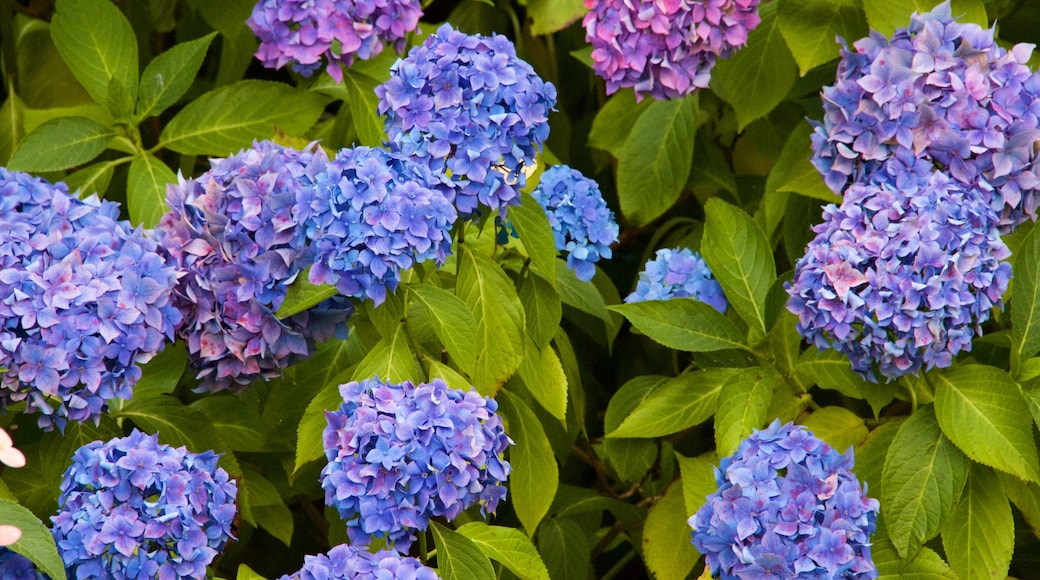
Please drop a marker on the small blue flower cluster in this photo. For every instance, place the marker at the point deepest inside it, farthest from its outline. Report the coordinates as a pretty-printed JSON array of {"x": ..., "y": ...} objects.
[
  {"x": 582, "y": 223},
  {"x": 84, "y": 300},
  {"x": 14, "y": 566},
  {"x": 308, "y": 32},
  {"x": 400, "y": 454},
  {"x": 787, "y": 506},
  {"x": 374, "y": 215},
  {"x": 902, "y": 275},
  {"x": 942, "y": 94},
  {"x": 678, "y": 273},
  {"x": 345, "y": 562},
  {"x": 467, "y": 106},
  {"x": 235, "y": 234},
  {"x": 132, "y": 508}
]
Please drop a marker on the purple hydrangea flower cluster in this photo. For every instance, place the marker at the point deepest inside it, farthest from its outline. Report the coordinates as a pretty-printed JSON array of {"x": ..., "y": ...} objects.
[
  {"x": 940, "y": 94},
  {"x": 582, "y": 223},
  {"x": 309, "y": 33},
  {"x": 133, "y": 508},
  {"x": 84, "y": 300},
  {"x": 374, "y": 215},
  {"x": 902, "y": 275},
  {"x": 678, "y": 273},
  {"x": 400, "y": 454},
  {"x": 664, "y": 48},
  {"x": 467, "y": 106},
  {"x": 345, "y": 562},
  {"x": 235, "y": 234},
  {"x": 787, "y": 506},
  {"x": 14, "y": 566}
]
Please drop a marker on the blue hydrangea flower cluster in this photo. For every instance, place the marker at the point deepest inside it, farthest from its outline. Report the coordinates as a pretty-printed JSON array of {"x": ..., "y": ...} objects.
[
  {"x": 310, "y": 33},
  {"x": 235, "y": 234},
  {"x": 467, "y": 106},
  {"x": 787, "y": 506},
  {"x": 132, "y": 508},
  {"x": 939, "y": 94},
  {"x": 664, "y": 48},
  {"x": 345, "y": 562},
  {"x": 678, "y": 273},
  {"x": 14, "y": 566},
  {"x": 902, "y": 275},
  {"x": 400, "y": 454},
  {"x": 582, "y": 224},
  {"x": 374, "y": 215},
  {"x": 84, "y": 300}
]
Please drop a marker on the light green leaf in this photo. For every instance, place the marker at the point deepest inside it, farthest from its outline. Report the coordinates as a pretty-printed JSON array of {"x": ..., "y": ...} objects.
[
  {"x": 98, "y": 44},
  {"x": 59, "y": 144},
  {"x": 363, "y": 104},
  {"x": 887, "y": 15},
  {"x": 924, "y": 564},
  {"x": 698, "y": 481},
  {"x": 36, "y": 542},
  {"x": 983, "y": 412},
  {"x": 146, "y": 189},
  {"x": 683, "y": 323},
  {"x": 532, "y": 224},
  {"x": 980, "y": 535},
  {"x": 170, "y": 75},
  {"x": 261, "y": 505},
  {"x": 542, "y": 374},
  {"x": 759, "y": 76},
  {"x": 830, "y": 369},
  {"x": 309, "y": 445},
  {"x": 227, "y": 119},
  {"x": 548, "y": 16},
  {"x": 452, "y": 321},
  {"x": 509, "y": 547},
  {"x": 773, "y": 207},
  {"x": 743, "y": 403},
  {"x": 391, "y": 359},
  {"x": 804, "y": 179},
  {"x": 542, "y": 308},
  {"x": 458, "y": 558},
  {"x": 490, "y": 295},
  {"x": 667, "y": 550},
  {"x": 871, "y": 453},
  {"x": 12, "y": 126},
  {"x": 838, "y": 426},
  {"x": 810, "y": 28},
  {"x": 160, "y": 375},
  {"x": 439, "y": 370},
  {"x": 1026, "y": 497},
  {"x": 247, "y": 573},
  {"x": 655, "y": 161},
  {"x": 615, "y": 121},
  {"x": 565, "y": 549},
  {"x": 93, "y": 178},
  {"x": 301, "y": 295},
  {"x": 678, "y": 404},
  {"x": 535, "y": 476},
  {"x": 1025, "y": 308},
  {"x": 582, "y": 295},
  {"x": 739, "y": 256},
  {"x": 922, "y": 481}
]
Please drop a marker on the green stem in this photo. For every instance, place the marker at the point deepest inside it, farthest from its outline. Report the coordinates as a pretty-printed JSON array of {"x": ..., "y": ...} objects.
[
  {"x": 619, "y": 565},
  {"x": 424, "y": 554}
]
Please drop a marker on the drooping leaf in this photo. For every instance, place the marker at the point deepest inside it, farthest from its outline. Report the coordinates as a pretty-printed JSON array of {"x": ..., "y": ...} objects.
[
  {"x": 170, "y": 75},
  {"x": 542, "y": 374},
  {"x": 683, "y": 323},
  {"x": 509, "y": 547},
  {"x": 542, "y": 308},
  {"x": 830, "y": 369},
  {"x": 535, "y": 475},
  {"x": 235, "y": 419},
  {"x": 458, "y": 558},
  {"x": 980, "y": 535},
  {"x": 1025, "y": 309},
  {"x": 667, "y": 550},
  {"x": 532, "y": 224},
  {"x": 679, "y": 403},
  {"x": 60, "y": 144},
  {"x": 146, "y": 189},
  {"x": 743, "y": 403},
  {"x": 262, "y": 505}
]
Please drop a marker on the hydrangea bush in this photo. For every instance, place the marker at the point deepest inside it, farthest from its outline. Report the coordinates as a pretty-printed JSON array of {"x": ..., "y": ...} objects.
[{"x": 498, "y": 289}]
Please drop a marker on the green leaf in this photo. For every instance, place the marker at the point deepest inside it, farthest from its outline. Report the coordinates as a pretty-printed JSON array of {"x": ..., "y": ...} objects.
[
  {"x": 535, "y": 476},
  {"x": 12, "y": 126},
  {"x": 532, "y": 224},
  {"x": 509, "y": 547},
  {"x": 308, "y": 441},
  {"x": 759, "y": 76},
  {"x": 1025, "y": 308},
  {"x": 59, "y": 144},
  {"x": 247, "y": 573},
  {"x": 363, "y": 104},
  {"x": 458, "y": 558},
  {"x": 615, "y": 120},
  {"x": 678, "y": 404},
  {"x": 452, "y": 321},
  {"x": 806, "y": 180},
  {"x": 1025, "y": 496},
  {"x": 887, "y": 15},
  {"x": 227, "y": 119},
  {"x": 810, "y": 28},
  {"x": 984, "y": 413},
  {"x": 830, "y": 369},
  {"x": 683, "y": 323},
  {"x": 630, "y": 458},
  {"x": 743, "y": 403},
  {"x": 924, "y": 564},
  {"x": 739, "y": 256},
  {"x": 160, "y": 375},
  {"x": 582, "y": 295},
  {"x": 773, "y": 206},
  {"x": 36, "y": 542},
  {"x": 564, "y": 548},
  {"x": 263, "y": 506},
  {"x": 871, "y": 453},
  {"x": 542, "y": 308},
  {"x": 548, "y": 16},
  {"x": 655, "y": 161},
  {"x": 146, "y": 189},
  {"x": 980, "y": 535},
  {"x": 698, "y": 481},
  {"x": 922, "y": 481},
  {"x": 542, "y": 374},
  {"x": 667, "y": 550},
  {"x": 391, "y": 359},
  {"x": 301, "y": 295},
  {"x": 490, "y": 295},
  {"x": 98, "y": 44},
  {"x": 838, "y": 426},
  {"x": 92, "y": 179},
  {"x": 170, "y": 75},
  {"x": 235, "y": 419},
  {"x": 711, "y": 169}
]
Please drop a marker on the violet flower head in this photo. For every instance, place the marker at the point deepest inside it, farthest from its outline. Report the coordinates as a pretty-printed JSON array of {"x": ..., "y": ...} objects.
[
  {"x": 235, "y": 235},
  {"x": 901, "y": 277},
  {"x": 582, "y": 224},
  {"x": 678, "y": 273},
  {"x": 14, "y": 566},
  {"x": 85, "y": 299},
  {"x": 346, "y": 562},
  {"x": 942, "y": 94},
  {"x": 310, "y": 33},
  {"x": 373, "y": 215},
  {"x": 787, "y": 506},
  {"x": 467, "y": 106},
  {"x": 664, "y": 48},
  {"x": 400, "y": 454},
  {"x": 135, "y": 508}
]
